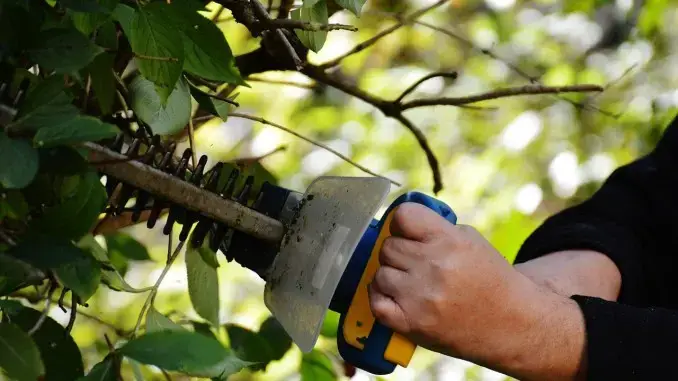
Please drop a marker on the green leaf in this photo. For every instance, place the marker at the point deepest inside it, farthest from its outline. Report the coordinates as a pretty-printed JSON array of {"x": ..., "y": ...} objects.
[
  {"x": 207, "y": 53},
  {"x": 203, "y": 286},
  {"x": 84, "y": 128},
  {"x": 19, "y": 356},
  {"x": 82, "y": 277},
  {"x": 355, "y": 6},
  {"x": 77, "y": 214},
  {"x": 64, "y": 50},
  {"x": 109, "y": 275},
  {"x": 309, "y": 3},
  {"x": 46, "y": 105},
  {"x": 15, "y": 274},
  {"x": 125, "y": 15},
  {"x": 89, "y": 15},
  {"x": 203, "y": 328},
  {"x": 103, "y": 81},
  {"x": 165, "y": 119},
  {"x": 47, "y": 252},
  {"x": 107, "y": 36},
  {"x": 330, "y": 324},
  {"x": 86, "y": 23},
  {"x": 154, "y": 40},
  {"x": 61, "y": 160},
  {"x": 127, "y": 246},
  {"x": 191, "y": 353},
  {"x": 14, "y": 205},
  {"x": 10, "y": 306},
  {"x": 107, "y": 370},
  {"x": 214, "y": 106},
  {"x": 95, "y": 6},
  {"x": 317, "y": 366},
  {"x": 59, "y": 353},
  {"x": 274, "y": 334},
  {"x": 249, "y": 346},
  {"x": 155, "y": 321},
  {"x": 316, "y": 14},
  {"x": 18, "y": 162},
  {"x": 208, "y": 256}
]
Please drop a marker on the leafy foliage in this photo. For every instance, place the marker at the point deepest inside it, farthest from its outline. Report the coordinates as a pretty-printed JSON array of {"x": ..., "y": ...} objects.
[{"x": 88, "y": 70}]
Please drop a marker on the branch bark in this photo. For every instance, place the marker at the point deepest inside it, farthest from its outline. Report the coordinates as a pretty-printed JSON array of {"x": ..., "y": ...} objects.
[
  {"x": 500, "y": 93},
  {"x": 270, "y": 57}
]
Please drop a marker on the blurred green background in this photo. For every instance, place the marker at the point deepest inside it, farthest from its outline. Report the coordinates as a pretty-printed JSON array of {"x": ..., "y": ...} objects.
[{"x": 506, "y": 166}]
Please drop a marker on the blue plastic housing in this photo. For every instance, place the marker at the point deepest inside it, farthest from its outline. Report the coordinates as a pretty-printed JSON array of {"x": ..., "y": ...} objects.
[{"x": 371, "y": 357}]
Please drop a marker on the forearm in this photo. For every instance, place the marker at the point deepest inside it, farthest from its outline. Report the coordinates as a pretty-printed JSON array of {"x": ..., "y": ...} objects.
[
  {"x": 541, "y": 337},
  {"x": 575, "y": 272}
]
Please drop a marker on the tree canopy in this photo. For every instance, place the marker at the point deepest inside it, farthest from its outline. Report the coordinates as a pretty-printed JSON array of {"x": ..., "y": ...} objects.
[{"x": 508, "y": 111}]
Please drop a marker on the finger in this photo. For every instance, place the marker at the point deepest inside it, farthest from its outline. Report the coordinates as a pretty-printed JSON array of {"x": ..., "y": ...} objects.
[
  {"x": 386, "y": 310},
  {"x": 390, "y": 281},
  {"x": 400, "y": 253},
  {"x": 416, "y": 222}
]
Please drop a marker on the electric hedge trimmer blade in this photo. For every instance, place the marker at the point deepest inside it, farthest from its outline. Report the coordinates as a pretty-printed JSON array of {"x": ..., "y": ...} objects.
[{"x": 316, "y": 251}]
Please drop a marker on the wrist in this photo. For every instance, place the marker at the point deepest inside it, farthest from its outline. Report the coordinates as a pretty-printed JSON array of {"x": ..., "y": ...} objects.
[{"x": 542, "y": 336}]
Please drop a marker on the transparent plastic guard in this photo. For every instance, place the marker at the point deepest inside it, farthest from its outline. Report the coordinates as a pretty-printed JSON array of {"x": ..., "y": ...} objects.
[{"x": 333, "y": 215}]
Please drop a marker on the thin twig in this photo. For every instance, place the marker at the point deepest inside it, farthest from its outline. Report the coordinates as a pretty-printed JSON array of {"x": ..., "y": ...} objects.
[
  {"x": 452, "y": 75},
  {"x": 304, "y": 25},
  {"x": 246, "y": 160},
  {"x": 61, "y": 300},
  {"x": 500, "y": 93},
  {"x": 371, "y": 41},
  {"x": 5, "y": 237},
  {"x": 35, "y": 298},
  {"x": 151, "y": 297},
  {"x": 111, "y": 348},
  {"x": 223, "y": 99},
  {"x": 45, "y": 311},
  {"x": 154, "y": 58},
  {"x": 388, "y": 108},
  {"x": 74, "y": 312},
  {"x": 191, "y": 140},
  {"x": 533, "y": 79},
  {"x": 87, "y": 90},
  {"x": 430, "y": 156},
  {"x": 282, "y": 82},
  {"x": 318, "y": 144}
]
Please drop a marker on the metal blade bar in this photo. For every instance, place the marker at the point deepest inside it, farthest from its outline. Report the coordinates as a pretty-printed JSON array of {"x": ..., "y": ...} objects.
[{"x": 189, "y": 196}]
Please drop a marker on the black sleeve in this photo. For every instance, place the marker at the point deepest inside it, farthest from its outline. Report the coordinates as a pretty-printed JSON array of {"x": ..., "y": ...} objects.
[
  {"x": 633, "y": 219},
  {"x": 629, "y": 343}
]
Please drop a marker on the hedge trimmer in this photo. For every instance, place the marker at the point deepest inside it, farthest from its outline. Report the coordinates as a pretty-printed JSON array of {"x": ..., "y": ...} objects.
[{"x": 316, "y": 250}]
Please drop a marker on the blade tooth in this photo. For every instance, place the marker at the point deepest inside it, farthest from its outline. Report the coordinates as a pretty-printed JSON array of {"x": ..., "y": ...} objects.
[
  {"x": 159, "y": 204},
  {"x": 127, "y": 190},
  {"x": 174, "y": 209},
  {"x": 204, "y": 223}
]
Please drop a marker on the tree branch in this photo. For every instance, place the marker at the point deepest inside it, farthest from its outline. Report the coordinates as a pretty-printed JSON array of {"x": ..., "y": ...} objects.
[
  {"x": 321, "y": 145},
  {"x": 269, "y": 58},
  {"x": 452, "y": 75},
  {"x": 371, "y": 41},
  {"x": 533, "y": 79},
  {"x": 304, "y": 25},
  {"x": 500, "y": 93}
]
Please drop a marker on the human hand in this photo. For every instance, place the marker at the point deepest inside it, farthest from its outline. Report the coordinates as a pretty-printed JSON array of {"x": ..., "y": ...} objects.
[{"x": 447, "y": 289}]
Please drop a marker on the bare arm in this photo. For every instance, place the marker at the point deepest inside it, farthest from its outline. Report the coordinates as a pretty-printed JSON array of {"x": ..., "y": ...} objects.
[{"x": 575, "y": 272}]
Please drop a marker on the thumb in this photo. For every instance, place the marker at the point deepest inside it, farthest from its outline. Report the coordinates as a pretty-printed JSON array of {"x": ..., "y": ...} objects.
[
  {"x": 386, "y": 310},
  {"x": 416, "y": 222}
]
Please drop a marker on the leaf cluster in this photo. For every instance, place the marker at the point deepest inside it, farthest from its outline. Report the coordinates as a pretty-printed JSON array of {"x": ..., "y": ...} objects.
[{"x": 78, "y": 71}]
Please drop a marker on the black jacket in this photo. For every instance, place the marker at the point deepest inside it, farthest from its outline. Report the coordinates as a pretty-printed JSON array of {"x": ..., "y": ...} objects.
[{"x": 633, "y": 219}]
